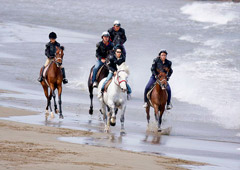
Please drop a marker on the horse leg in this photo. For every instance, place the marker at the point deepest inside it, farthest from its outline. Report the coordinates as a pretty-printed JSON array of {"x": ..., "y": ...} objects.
[
  {"x": 103, "y": 112},
  {"x": 148, "y": 115},
  {"x": 50, "y": 98},
  {"x": 107, "y": 123},
  {"x": 60, "y": 101},
  {"x": 91, "y": 99},
  {"x": 45, "y": 88},
  {"x": 55, "y": 104},
  {"x": 162, "y": 108},
  {"x": 122, "y": 132},
  {"x": 156, "y": 111},
  {"x": 113, "y": 115}
]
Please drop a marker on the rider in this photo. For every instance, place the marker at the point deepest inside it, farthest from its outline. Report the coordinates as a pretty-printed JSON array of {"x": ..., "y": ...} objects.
[
  {"x": 117, "y": 35},
  {"x": 104, "y": 48},
  {"x": 117, "y": 59},
  {"x": 159, "y": 63},
  {"x": 50, "y": 52}
]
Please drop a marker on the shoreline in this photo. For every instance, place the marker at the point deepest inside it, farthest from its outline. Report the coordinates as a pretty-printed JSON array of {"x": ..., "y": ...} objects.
[{"x": 26, "y": 145}]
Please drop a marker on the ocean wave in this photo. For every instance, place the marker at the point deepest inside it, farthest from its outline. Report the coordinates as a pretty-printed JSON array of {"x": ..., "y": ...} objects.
[
  {"x": 216, "y": 13},
  {"x": 206, "y": 80}
]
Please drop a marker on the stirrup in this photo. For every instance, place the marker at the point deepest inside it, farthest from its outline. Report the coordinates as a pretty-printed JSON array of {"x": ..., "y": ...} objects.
[
  {"x": 169, "y": 106},
  {"x": 40, "y": 79},
  {"x": 129, "y": 96},
  {"x": 65, "y": 81},
  {"x": 145, "y": 105},
  {"x": 95, "y": 84}
]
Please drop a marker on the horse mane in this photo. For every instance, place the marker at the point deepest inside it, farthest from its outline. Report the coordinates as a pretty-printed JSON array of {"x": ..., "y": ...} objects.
[{"x": 124, "y": 67}]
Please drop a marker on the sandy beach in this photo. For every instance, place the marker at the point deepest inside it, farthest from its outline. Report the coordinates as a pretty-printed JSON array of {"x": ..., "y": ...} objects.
[
  {"x": 24, "y": 146},
  {"x": 203, "y": 125}
]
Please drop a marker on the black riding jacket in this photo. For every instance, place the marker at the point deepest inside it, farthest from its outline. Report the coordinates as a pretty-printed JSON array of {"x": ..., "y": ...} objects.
[
  {"x": 158, "y": 64},
  {"x": 103, "y": 50},
  {"x": 51, "y": 50},
  {"x": 114, "y": 61},
  {"x": 117, "y": 37}
]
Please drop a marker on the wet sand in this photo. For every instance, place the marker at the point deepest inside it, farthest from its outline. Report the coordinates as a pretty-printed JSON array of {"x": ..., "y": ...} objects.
[{"x": 24, "y": 146}]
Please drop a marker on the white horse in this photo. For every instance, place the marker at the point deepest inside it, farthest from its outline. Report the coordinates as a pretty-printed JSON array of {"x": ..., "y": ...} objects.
[{"x": 115, "y": 98}]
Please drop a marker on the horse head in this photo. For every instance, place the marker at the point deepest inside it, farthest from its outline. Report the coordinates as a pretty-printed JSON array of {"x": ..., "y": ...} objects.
[
  {"x": 59, "y": 56},
  {"x": 162, "y": 79},
  {"x": 122, "y": 76}
]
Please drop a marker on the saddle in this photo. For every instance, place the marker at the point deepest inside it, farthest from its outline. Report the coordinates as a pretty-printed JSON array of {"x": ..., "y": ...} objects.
[
  {"x": 107, "y": 84},
  {"x": 98, "y": 73}
]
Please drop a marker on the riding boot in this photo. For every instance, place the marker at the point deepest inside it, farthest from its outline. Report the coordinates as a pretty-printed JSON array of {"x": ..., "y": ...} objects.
[
  {"x": 40, "y": 78},
  {"x": 65, "y": 81}
]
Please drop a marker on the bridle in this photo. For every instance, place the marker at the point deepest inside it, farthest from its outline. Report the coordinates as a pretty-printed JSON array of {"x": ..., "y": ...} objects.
[
  {"x": 160, "y": 82},
  {"x": 118, "y": 81},
  {"x": 58, "y": 58}
]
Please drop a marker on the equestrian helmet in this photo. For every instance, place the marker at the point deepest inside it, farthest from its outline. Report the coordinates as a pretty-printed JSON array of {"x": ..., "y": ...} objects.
[
  {"x": 117, "y": 23},
  {"x": 163, "y": 51},
  {"x": 52, "y": 35},
  {"x": 105, "y": 34}
]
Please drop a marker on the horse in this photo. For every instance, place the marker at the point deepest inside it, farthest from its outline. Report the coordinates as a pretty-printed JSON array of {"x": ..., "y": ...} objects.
[
  {"x": 102, "y": 73},
  {"x": 158, "y": 98},
  {"x": 114, "y": 98},
  {"x": 53, "y": 80}
]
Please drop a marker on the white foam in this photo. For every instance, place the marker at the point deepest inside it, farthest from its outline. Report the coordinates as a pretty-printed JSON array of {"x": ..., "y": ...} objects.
[
  {"x": 208, "y": 83},
  {"x": 17, "y": 33},
  {"x": 216, "y": 13},
  {"x": 213, "y": 43}
]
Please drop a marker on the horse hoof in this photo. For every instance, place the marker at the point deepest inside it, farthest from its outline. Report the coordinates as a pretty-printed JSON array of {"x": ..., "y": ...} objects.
[
  {"x": 159, "y": 130},
  {"x": 52, "y": 115},
  {"x": 106, "y": 130},
  {"x": 122, "y": 132},
  {"x": 90, "y": 111},
  {"x": 60, "y": 116},
  {"x": 47, "y": 113},
  {"x": 112, "y": 123},
  {"x": 56, "y": 111}
]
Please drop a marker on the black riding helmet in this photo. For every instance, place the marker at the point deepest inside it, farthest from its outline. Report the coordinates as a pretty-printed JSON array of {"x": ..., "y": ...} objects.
[
  {"x": 163, "y": 51},
  {"x": 119, "y": 46},
  {"x": 52, "y": 35}
]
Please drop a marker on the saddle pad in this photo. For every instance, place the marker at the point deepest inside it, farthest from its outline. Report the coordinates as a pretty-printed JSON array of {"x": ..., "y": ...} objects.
[
  {"x": 46, "y": 69},
  {"x": 149, "y": 94},
  {"x": 107, "y": 84}
]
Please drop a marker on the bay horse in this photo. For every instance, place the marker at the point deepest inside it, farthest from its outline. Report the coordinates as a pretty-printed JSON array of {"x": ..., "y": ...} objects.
[
  {"x": 114, "y": 98},
  {"x": 53, "y": 80},
  {"x": 158, "y": 98},
  {"x": 102, "y": 73}
]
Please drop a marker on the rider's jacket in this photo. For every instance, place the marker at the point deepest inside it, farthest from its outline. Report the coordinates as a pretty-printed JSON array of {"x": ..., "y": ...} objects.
[
  {"x": 51, "y": 50},
  {"x": 114, "y": 61},
  {"x": 117, "y": 37},
  {"x": 103, "y": 50},
  {"x": 159, "y": 65}
]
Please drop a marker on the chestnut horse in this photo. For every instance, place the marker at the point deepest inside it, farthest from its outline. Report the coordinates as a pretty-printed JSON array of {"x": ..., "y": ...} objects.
[
  {"x": 158, "y": 99},
  {"x": 54, "y": 80},
  {"x": 103, "y": 73}
]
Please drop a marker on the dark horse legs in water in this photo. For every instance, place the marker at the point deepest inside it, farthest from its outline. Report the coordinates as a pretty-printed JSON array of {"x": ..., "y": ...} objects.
[
  {"x": 60, "y": 101},
  {"x": 104, "y": 72}
]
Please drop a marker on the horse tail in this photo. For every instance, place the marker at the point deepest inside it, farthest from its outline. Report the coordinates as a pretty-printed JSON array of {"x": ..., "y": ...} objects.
[{"x": 62, "y": 47}]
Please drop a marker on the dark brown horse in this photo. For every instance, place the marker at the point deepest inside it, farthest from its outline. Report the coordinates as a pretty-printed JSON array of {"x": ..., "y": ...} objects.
[
  {"x": 102, "y": 74},
  {"x": 158, "y": 99},
  {"x": 53, "y": 80}
]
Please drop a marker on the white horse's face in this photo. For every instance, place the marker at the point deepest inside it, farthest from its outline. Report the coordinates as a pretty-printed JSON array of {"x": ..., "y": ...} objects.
[{"x": 122, "y": 77}]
